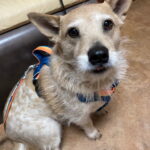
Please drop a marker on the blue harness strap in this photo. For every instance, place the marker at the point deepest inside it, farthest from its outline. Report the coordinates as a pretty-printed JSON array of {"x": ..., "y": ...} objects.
[
  {"x": 43, "y": 54},
  {"x": 105, "y": 96}
]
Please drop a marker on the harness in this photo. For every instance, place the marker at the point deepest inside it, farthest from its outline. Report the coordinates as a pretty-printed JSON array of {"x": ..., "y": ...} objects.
[
  {"x": 104, "y": 95},
  {"x": 43, "y": 55}
]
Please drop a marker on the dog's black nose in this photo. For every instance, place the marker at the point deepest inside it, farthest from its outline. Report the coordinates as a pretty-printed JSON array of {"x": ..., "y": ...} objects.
[{"x": 98, "y": 54}]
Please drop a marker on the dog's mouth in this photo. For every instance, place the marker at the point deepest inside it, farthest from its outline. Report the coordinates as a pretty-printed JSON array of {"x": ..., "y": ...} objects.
[{"x": 99, "y": 69}]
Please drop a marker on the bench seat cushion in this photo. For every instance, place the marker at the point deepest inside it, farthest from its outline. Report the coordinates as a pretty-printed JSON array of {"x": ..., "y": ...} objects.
[{"x": 14, "y": 12}]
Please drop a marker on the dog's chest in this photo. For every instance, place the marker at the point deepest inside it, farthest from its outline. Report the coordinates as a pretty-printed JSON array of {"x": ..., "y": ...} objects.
[
  {"x": 28, "y": 105},
  {"x": 68, "y": 107},
  {"x": 63, "y": 103}
]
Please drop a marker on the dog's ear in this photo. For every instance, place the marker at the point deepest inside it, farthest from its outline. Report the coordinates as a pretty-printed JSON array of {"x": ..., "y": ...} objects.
[
  {"x": 47, "y": 24},
  {"x": 120, "y": 7}
]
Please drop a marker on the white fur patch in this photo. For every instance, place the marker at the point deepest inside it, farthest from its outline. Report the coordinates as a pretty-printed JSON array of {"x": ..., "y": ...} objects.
[
  {"x": 113, "y": 57},
  {"x": 98, "y": 17},
  {"x": 116, "y": 60},
  {"x": 75, "y": 23},
  {"x": 22, "y": 147},
  {"x": 83, "y": 63},
  {"x": 95, "y": 134}
]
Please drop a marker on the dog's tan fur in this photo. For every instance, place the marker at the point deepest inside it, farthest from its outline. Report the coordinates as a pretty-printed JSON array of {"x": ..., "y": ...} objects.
[{"x": 36, "y": 120}]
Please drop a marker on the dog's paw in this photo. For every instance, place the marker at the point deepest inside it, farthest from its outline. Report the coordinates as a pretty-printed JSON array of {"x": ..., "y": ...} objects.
[{"x": 94, "y": 135}]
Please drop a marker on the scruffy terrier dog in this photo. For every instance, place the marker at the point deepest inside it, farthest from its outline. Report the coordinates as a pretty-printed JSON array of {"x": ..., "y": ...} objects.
[{"x": 86, "y": 59}]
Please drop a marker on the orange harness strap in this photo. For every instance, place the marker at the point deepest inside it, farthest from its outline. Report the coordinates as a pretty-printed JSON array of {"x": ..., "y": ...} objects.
[{"x": 11, "y": 99}]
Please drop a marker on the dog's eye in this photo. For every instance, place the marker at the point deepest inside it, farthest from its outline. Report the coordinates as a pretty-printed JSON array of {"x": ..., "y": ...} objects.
[
  {"x": 108, "y": 25},
  {"x": 73, "y": 32}
]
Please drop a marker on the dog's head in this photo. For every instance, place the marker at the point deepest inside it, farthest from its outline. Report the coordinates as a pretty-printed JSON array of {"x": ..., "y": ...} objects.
[{"x": 88, "y": 37}]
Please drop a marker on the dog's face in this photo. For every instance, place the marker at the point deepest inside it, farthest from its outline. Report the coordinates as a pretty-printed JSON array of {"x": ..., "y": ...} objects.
[{"x": 87, "y": 37}]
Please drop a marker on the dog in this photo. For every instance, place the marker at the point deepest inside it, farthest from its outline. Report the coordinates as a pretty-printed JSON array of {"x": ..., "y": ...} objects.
[{"x": 86, "y": 59}]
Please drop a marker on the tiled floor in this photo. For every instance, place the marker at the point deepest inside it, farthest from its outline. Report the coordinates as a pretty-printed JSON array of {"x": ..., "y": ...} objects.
[{"x": 127, "y": 124}]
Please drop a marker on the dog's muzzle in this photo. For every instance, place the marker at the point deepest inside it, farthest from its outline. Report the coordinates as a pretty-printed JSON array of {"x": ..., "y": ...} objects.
[{"x": 98, "y": 57}]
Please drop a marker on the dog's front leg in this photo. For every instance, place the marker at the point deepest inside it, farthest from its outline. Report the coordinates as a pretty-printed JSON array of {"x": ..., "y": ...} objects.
[{"x": 87, "y": 125}]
